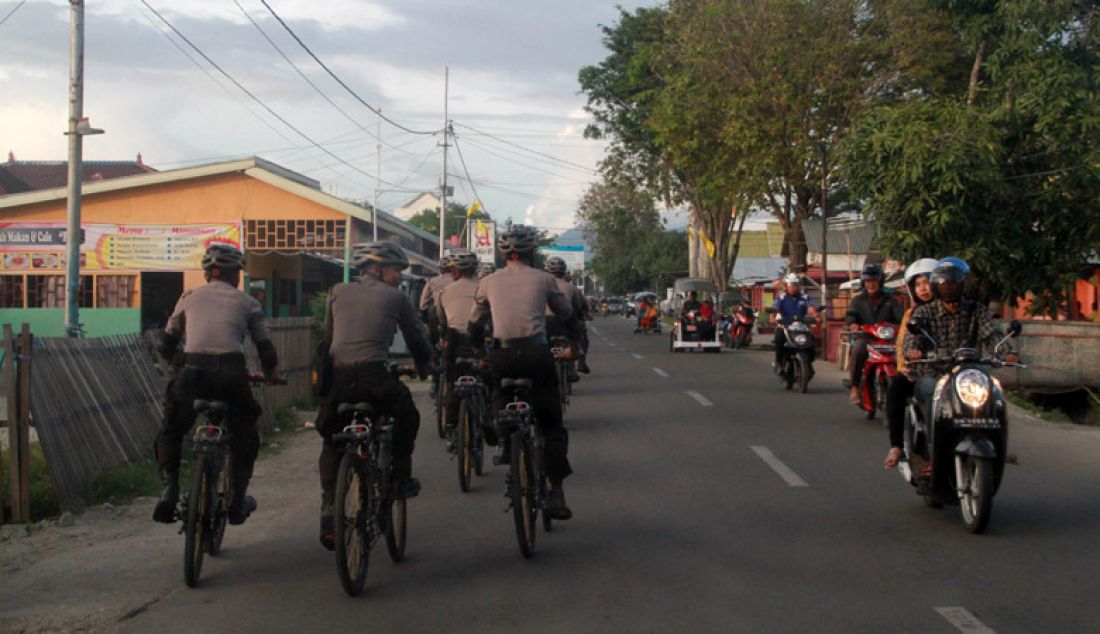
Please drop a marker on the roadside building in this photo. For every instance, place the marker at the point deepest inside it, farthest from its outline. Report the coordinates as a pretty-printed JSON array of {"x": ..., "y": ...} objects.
[
  {"x": 144, "y": 235},
  {"x": 426, "y": 201}
]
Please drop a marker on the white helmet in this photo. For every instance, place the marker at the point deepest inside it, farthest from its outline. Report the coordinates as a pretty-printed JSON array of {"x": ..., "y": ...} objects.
[
  {"x": 792, "y": 278},
  {"x": 923, "y": 266}
]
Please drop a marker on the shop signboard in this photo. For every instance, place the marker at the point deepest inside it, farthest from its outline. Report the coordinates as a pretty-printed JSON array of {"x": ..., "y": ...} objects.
[{"x": 483, "y": 238}]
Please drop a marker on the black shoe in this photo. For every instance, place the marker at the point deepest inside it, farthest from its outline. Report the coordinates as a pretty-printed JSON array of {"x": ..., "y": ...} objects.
[
  {"x": 503, "y": 456},
  {"x": 165, "y": 510},
  {"x": 489, "y": 433},
  {"x": 328, "y": 530},
  {"x": 583, "y": 368},
  {"x": 555, "y": 505},
  {"x": 406, "y": 488},
  {"x": 240, "y": 510},
  {"x": 574, "y": 377}
]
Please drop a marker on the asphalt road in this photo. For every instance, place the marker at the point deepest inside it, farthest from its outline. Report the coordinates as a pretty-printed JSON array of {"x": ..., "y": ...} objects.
[{"x": 706, "y": 499}]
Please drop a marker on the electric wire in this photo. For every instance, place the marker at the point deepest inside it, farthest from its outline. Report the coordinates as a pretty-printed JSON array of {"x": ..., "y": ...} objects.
[
  {"x": 376, "y": 111},
  {"x": 578, "y": 166},
  {"x": 462, "y": 159},
  {"x": 12, "y": 12},
  {"x": 536, "y": 168}
]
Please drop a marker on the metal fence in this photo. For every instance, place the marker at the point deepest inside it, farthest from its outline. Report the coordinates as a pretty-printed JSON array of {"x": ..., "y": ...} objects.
[{"x": 96, "y": 403}]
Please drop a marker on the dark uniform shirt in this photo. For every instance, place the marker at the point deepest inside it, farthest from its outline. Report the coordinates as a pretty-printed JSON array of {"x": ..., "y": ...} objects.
[
  {"x": 865, "y": 309},
  {"x": 516, "y": 297},
  {"x": 361, "y": 319},
  {"x": 968, "y": 327},
  {"x": 215, "y": 318}
]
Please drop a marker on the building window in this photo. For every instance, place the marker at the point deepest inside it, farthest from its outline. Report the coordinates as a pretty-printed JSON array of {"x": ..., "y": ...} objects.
[
  {"x": 310, "y": 235},
  {"x": 115, "y": 291},
  {"x": 48, "y": 291},
  {"x": 11, "y": 291}
]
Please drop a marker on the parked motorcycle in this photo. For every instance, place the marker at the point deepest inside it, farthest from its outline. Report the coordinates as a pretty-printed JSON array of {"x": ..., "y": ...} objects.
[
  {"x": 881, "y": 366},
  {"x": 798, "y": 353},
  {"x": 966, "y": 443}
]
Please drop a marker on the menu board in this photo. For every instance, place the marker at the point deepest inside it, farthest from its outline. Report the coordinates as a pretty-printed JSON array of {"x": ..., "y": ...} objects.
[{"x": 41, "y": 246}]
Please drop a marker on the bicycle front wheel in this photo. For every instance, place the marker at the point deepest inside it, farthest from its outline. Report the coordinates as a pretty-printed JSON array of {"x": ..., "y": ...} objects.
[
  {"x": 396, "y": 526},
  {"x": 522, "y": 492},
  {"x": 351, "y": 508},
  {"x": 465, "y": 445},
  {"x": 194, "y": 528},
  {"x": 220, "y": 508}
]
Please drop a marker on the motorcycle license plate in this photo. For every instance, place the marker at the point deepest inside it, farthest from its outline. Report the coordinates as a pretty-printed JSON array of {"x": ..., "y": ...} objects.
[
  {"x": 977, "y": 423},
  {"x": 691, "y": 328}
]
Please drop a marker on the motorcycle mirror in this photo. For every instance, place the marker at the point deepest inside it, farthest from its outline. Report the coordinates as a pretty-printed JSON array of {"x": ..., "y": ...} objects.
[{"x": 1014, "y": 328}]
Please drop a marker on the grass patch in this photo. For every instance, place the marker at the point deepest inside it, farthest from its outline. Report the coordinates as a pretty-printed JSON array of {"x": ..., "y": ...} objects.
[
  {"x": 1078, "y": 407},
  {"x": 44, "y": 500},
  {"x": 121, "y": 485}
]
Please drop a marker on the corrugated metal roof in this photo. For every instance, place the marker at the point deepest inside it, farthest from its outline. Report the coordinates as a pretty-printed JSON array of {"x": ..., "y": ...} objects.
[
  {"x": 747, "y": 270},
  {"x": 26, "y": 176},
  {"x": 845, "y": 236}
]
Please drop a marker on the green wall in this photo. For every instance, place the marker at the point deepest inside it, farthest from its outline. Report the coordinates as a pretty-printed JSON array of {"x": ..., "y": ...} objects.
[{"x": 50, "y": 322}]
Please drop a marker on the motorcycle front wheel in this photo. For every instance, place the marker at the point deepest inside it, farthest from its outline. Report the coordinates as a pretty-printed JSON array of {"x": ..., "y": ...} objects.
[
  {"x": 976, "y": 499},
  {"x": 803, "y": 374}
]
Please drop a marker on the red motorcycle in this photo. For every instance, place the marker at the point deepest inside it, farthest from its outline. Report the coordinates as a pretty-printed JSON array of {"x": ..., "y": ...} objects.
[
  {"x": 881, "y": 366},
  {"x": 740, "y": 327}
]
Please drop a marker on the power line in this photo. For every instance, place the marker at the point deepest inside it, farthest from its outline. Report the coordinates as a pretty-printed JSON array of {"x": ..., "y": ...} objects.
[
  {"x": 376, "y": 111},
  {"x": 542, "y": 154},
  {"x": 12, "y": 12},
  {"x": 525, "y": 165},
  {"x": 462, "y": 159},
  {"x": 257, "y": 99}
]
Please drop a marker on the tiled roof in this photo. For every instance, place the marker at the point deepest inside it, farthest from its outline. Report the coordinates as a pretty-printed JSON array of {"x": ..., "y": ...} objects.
[{"x": 25, "y": 176}]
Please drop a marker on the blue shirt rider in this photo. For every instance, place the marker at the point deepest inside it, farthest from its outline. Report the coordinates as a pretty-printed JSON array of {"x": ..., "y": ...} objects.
[{"x": 789, "y": 304}]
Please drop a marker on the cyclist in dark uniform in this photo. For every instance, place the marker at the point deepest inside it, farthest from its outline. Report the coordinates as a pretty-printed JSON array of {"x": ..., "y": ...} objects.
[{"x": 212, "y": 322}]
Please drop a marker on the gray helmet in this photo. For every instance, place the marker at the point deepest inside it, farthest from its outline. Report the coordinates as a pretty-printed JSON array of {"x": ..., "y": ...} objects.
[
  {"x": 464, "y": 261},
  {"x": 485, "y": 268},
  {"x": 519, "y": 239},
  {"x": 555, "y": 266},
  {"x": 225, "y": 257},
  {"x": 444, "y": 261},
  {"x": 384, "y": 253}
]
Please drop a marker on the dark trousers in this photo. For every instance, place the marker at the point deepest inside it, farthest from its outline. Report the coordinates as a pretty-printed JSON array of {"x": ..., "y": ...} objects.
[
  {"x": 458, "y": 346},
  {"x": 780, "y": 342},
  {"x": 214, "y": 378},
  {"x": 536, "y": 363},
  {"x": 923, "y": 391},
  {"x": 370, "y": 382},
  {"x": 901, "y": 388},
  {"x": 859, "y": 357}
]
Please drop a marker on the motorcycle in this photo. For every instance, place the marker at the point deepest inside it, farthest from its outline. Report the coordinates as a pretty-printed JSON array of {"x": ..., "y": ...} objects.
[
  {"x": 965, "y": 445},
  {"x": 798, "y": 353},
  {"x": 879, "y": 369},
  {"x": 737, "y": 327}
]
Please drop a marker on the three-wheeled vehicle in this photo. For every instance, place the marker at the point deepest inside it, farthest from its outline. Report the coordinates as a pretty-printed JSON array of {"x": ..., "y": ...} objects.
[
  {"x": 649, "y": 318},
  {"x": 694, "y": 328}
]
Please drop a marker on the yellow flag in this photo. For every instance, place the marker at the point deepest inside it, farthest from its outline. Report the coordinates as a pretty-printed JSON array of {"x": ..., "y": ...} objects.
[
  {"x": 480, "y": 227},
  {"x": 707, "y": 243},
  {"x": 473, "y": 208}
]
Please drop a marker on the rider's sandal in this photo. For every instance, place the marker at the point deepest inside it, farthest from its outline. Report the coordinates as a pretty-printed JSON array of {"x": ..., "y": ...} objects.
[{"x": 892, "y": 458}]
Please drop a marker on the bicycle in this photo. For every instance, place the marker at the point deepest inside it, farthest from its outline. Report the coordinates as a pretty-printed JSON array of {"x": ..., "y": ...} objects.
[
  {"x": 526, "y": 483},
  {"x": 474, "y": 414},
  {"x": 561, "y": 347},
  {"x": 205, "y": 509},
  {"x": 365, "y": 507}
]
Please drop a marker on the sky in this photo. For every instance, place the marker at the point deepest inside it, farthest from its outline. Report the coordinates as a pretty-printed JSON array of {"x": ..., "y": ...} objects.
[{"x": 513, "y": 95}]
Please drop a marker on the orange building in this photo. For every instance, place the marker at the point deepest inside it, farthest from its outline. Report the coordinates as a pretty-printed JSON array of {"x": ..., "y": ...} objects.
[{"x": 144, "y": 236}]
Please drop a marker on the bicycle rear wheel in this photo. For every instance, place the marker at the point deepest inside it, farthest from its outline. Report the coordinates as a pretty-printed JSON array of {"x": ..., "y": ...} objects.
[
  {"x": 396, "y": 526},
  {"x": 351, "y": 508},
  {"x": 481, "y": 418},
  {"x": 440, "y": 402},
  {"x": 465, "y": 445},
  {"x": 522, "y": 492},
  {"x": 194, "y": 528},
  {"x": 220, "y": 509}
]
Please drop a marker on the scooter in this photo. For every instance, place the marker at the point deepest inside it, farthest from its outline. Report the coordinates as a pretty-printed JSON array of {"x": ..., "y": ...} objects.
[
  {"x": 966, "y": 441},
  {"x": 741, "y": 321},
  {"x": 798, "y": 353},
  {"x": 881, "y": 366}
]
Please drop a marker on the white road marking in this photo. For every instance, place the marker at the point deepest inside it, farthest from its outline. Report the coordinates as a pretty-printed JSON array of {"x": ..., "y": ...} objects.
[
  {"x": 596, "y": 332},
  {"x": 660, "y": 372},
  {"x": 699, "y": 397},
  {"x": 964, "y": 621},
  {"x": 636, "y": 355},
  {"x": 611, "y": 343},
  {"x": 790, "y": 477}
]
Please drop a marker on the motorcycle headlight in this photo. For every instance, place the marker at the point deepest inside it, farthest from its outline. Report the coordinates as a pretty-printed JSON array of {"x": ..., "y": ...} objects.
[
  {"x": 886, "y": 332},
  {"x": 801, "y": 340},
  {"x": 972, "y": 387}
]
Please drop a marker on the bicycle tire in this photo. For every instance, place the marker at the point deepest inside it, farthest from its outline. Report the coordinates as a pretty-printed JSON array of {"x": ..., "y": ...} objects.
[
  {"x": 479, "y": 437},
  {"x": 397, "y": 520},
  {"x": 522, "y": 492},
  {"x": 547, "y": 523},
  {"x": 465, "y": 446},
  {"x": 194, "y": 529},
  {"x": 440, "y": 416},
  {"x": 220, "y": 508},
  {"x": 350, "y": 509}
]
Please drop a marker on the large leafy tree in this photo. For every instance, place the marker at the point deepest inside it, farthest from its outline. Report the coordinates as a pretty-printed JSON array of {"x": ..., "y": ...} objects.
[{"x": 1004, "y": 171}]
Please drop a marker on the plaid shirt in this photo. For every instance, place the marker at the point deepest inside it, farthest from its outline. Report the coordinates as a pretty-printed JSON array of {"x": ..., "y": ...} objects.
[{"x": 968, "y": 327}]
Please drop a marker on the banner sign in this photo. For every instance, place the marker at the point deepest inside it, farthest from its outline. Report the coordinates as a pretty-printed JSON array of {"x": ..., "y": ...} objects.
[
  {"x": 41, "y": 245},
  {"x": 573, "y": 255},
  {"x": 483, "y": 239}
]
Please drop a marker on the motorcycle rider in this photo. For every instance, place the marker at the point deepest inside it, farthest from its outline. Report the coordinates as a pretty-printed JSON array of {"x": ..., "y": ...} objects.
[
  {"x": 871, "y": 306},
  {"x": 789, "y": 304},
  {"x": 918, "y": 282},
  {"x": 212, "y": 321},
  {"x": 453, "y": 314},
  {"x": 691, "y": 303},
  {"x": 361, "y": 319},
  {"x": 516, "y": 298},
  {"x": 557, "y": 267},
  {"x": 953, "y": 321}
]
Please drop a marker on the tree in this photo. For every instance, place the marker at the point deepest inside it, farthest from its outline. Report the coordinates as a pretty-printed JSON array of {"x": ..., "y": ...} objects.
[
  {"x": 428, "y": 220},
  {"x": 1004, "y": 171}
]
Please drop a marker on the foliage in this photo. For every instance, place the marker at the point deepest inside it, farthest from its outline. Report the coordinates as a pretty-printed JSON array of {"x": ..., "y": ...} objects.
[
  {"x": 122, "y": 484},
  {"x": 1005, "y": 173},
  {"x": 44, "y": 500},
  {"x": 428, "y": 220}
]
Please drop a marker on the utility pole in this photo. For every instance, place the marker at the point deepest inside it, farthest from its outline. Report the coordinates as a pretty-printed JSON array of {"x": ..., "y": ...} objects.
[
  {"x": 78, "y": 127},
  {"x": 374, "y": 210},
  {"x": 825, "y": 248},
  {"x": 443, "y": 187}
]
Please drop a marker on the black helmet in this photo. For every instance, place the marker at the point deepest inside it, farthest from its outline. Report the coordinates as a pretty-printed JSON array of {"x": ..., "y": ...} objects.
[
  {"x": 444, "y": 261},
  {"x": 224, "y": 257},
  {"x": 950, "y": 271},
  {"x": 485, "y": 268},
  {"x": 555, "y": 266},
  {"x": 871, "y": 272},
  {"x": 384, "y": 253},
  {"x": 519, "y": 239},
  {"x": 464, "y": 261}
]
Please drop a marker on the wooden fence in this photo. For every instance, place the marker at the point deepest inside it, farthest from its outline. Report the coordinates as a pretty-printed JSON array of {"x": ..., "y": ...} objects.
[{"x": 96, "y": 403}]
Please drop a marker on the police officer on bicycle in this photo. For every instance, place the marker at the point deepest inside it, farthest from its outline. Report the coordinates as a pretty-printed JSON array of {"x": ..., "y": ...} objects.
[
  {"x": 516, "y": 297},
  {"x": 212, "y": 322},
  {"x": 557, "y": 267},
  {"x": 361, "y": 319},
  {"x": 456, "y": 301}
]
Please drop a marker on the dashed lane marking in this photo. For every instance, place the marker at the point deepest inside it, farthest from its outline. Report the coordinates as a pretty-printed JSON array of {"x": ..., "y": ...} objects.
[
  {"x": 785, "y": 472},
  {"x": 704, "y": 401},
  {"x": 636, "y": 355},
  {"x": 596, "y": 332},
  {"x": 964, "y": 621},
  {"x": 660, "y": 372}
]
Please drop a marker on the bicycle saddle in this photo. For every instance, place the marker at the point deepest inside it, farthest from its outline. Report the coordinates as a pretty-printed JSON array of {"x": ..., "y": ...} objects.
[
  {"x": 520, "y": 383},
  {"x": 364, "y": 408},
  {"x": 202, "y": 405}
]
